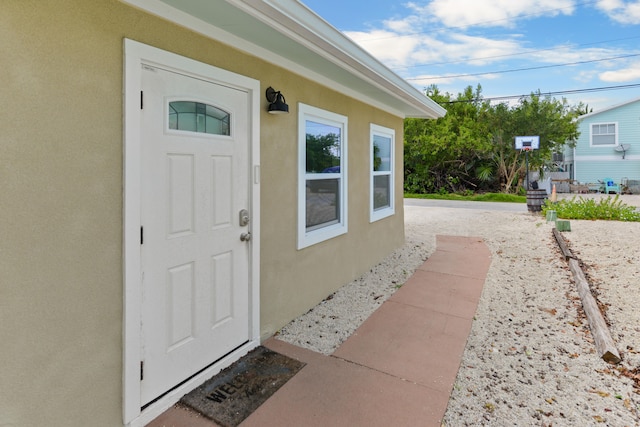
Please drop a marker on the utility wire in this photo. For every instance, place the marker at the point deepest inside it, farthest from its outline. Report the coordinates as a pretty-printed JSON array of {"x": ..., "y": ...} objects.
[
  {"x": 506, "y": 55},
  {"x": 495, "y": 56},
  {"x": 561, "y": 92},
  {"x": 524, "y": 69}
]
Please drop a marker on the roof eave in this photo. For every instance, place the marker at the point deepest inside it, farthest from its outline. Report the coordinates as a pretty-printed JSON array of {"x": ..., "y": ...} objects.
[
  {"x": 333, "y": 59},
  {"x": 613, "y": 107},
  {"x": 336, "y": 47}
]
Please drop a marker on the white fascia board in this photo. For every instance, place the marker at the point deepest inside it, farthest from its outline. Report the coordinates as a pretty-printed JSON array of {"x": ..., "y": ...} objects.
[
  {"x": 292, "y": 19},
  {"x": 325, "y": 40}
]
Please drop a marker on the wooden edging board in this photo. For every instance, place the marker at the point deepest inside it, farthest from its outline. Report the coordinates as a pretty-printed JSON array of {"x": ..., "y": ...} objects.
[{"x": 602, "y": 336}]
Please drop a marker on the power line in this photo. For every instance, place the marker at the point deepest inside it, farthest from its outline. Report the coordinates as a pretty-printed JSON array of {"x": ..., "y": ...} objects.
[
  {"x": 589, "y": 2},
  {"x": 525, "y": 69},
  {"x": 506, "y": 55},
  {"x": 561, "y": 92}
]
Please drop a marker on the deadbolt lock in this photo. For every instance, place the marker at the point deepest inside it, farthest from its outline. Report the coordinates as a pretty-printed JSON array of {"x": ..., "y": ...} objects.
[{"x": 244, "y": 217}]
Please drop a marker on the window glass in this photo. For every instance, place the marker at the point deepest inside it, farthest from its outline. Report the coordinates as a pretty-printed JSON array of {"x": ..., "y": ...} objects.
[
  {"x": 323, "y": 202},
  {"x": 197, "y": 117},
  {"x": 603, "y": 134},
  {"x": 322, "y": 160},
  {"x": 322, "y": 170},
  {"x": 381, "y": 188},
  {"x": 381, "y": 153},
  {"x": 381, "y": 191},
  {"x": 322, "y": 148}
]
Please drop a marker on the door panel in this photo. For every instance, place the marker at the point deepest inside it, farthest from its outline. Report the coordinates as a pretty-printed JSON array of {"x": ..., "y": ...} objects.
[
  {"x": 195, "y": 269},
  {"x": 220, "y": 213},
  {"x": 180, "y": 286},
  {"x": 180, "y": 176}
]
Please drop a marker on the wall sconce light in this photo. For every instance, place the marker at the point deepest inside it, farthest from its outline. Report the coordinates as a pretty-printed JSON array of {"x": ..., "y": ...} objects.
[{"x": 277, "y": 104}]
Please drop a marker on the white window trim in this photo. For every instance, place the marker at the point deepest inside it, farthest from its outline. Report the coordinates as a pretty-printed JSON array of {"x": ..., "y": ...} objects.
[
  {"x": 375, "y": 215},
  {"x": 615, "y": 144},
  {"x": 306, "y": 237}
]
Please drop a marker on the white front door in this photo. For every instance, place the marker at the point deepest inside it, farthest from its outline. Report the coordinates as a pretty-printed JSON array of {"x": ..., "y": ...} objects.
[{"x": 195, "y": 182}]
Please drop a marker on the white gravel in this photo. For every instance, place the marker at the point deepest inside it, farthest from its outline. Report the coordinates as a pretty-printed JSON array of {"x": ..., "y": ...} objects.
[
  {"x": 331, "y": 322},
  {"x": 530, "y": 359}
]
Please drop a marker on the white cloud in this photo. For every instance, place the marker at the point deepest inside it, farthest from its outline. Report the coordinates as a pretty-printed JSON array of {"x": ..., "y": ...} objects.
[
  {"x": 393, "y": 49},
  {"x": 625, "y": 12},
  {"x": 494, "y": 13},
  {"x": 622, "y": 75},
  {"x": 411, "y": 41},
  {"x": 585, "y": 76},
  {"x": 571, "y": 54},
  {"x": 400, "y": 51},
  {"x": 426, "y": 80},
  {"x": 482, "y": 50},
  {"x": 419, "y": 49},
  {"x": 406, "y": 25}
]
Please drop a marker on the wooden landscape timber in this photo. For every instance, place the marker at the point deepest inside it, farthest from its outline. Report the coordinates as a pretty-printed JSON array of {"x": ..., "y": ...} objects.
[
  {"x": 602, "y": 337},
  {"x": 563, "y": 245}
]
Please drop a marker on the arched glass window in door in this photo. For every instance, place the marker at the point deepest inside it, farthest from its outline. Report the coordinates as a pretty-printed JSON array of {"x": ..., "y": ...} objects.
[{"x": 198, "y": 117}]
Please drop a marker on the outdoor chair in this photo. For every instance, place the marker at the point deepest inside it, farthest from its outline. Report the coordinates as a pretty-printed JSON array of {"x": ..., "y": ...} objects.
[{"x": 610, "y": 186}]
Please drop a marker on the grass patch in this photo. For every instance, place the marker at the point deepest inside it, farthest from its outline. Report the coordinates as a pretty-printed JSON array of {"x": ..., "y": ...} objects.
[
  {"x": 609, "y": 208},
  {"x": 485, "y": 197}
]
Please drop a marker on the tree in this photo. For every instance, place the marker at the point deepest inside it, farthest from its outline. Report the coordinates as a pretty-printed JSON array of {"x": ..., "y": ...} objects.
[
  {"x": 472, "y": 146},
  {"x": 443, "y": 154},
  {"x": 323, "y": 152},
  {"x": 550, "y": 119}
]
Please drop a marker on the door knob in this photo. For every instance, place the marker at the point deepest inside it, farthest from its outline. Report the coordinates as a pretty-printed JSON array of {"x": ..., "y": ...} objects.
[{"x": 245, "y": 237}]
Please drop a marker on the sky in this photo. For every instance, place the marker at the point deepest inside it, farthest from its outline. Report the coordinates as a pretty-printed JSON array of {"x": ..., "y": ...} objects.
[{"x": 508, "y": 47}]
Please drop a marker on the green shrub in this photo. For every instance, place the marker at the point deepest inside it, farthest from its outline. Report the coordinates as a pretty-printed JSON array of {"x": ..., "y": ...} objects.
[{"x": 609, "y": 208}]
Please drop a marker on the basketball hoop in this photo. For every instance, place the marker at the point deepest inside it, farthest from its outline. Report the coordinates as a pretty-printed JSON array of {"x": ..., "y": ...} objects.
[{"x": 526, "y": 144}]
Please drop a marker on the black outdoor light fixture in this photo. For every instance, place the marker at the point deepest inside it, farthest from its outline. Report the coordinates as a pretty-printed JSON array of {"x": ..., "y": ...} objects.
[{"x": 277, "y": 104}]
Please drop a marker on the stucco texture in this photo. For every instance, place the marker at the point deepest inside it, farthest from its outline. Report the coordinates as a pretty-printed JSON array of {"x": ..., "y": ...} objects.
[
  {"x": 292, "y": 278},
  {"x": 61, "y": 169}
]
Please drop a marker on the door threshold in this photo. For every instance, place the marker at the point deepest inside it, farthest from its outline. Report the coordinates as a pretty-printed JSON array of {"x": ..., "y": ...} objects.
[{"x": 155, "y": 408}]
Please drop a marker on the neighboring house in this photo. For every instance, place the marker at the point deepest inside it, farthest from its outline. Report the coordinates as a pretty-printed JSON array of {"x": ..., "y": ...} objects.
[
  {"x": 157, "y": 221},
  {"x": 608, "y": 145}
]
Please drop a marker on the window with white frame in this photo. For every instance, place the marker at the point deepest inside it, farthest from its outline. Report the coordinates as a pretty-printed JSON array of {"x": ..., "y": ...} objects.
[
  {"x": 604, "y": 134},
  {"x": 381, "y": 167},
  {"x": 322, "y": 175}
]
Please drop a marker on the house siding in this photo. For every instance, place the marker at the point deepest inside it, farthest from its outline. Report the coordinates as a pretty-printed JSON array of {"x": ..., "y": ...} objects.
[
  {"x": 61, "y": 299},
  {"x": 598, "y": 170},
  {"x": 593, "y": 163}
]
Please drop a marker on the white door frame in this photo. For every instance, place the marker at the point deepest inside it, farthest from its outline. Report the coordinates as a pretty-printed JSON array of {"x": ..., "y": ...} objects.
[{"x": 135, "y": 55}]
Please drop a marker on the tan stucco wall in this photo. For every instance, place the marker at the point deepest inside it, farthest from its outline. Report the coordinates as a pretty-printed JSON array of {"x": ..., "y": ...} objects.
[
  {"x": 61, "y": 169},
  {"x": 291, "y": 278}
]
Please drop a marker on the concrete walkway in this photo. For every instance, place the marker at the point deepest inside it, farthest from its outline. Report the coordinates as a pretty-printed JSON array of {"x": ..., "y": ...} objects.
[{"x": 397, "y": 369}]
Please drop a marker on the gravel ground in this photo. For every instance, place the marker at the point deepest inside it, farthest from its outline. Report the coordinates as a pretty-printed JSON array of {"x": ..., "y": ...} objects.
[{"x": 530, "y": 359}]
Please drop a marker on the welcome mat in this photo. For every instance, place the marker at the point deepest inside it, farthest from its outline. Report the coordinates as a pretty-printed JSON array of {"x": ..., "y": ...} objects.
[{"x": 237, "y": 391}]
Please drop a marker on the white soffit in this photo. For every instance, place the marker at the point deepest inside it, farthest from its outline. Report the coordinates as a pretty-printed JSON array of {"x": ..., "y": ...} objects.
[{"x": 288, "y": 34}]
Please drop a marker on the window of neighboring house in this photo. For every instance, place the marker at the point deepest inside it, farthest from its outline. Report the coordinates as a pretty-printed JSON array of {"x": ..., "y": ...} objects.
[
  {"x": 322, "y": 175},
  {"x": 382, "y": 161},
  {"x": 604, "y": 134}
]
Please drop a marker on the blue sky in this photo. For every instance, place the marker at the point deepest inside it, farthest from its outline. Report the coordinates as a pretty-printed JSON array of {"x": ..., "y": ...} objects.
[{"x": 457, "y": 43}]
